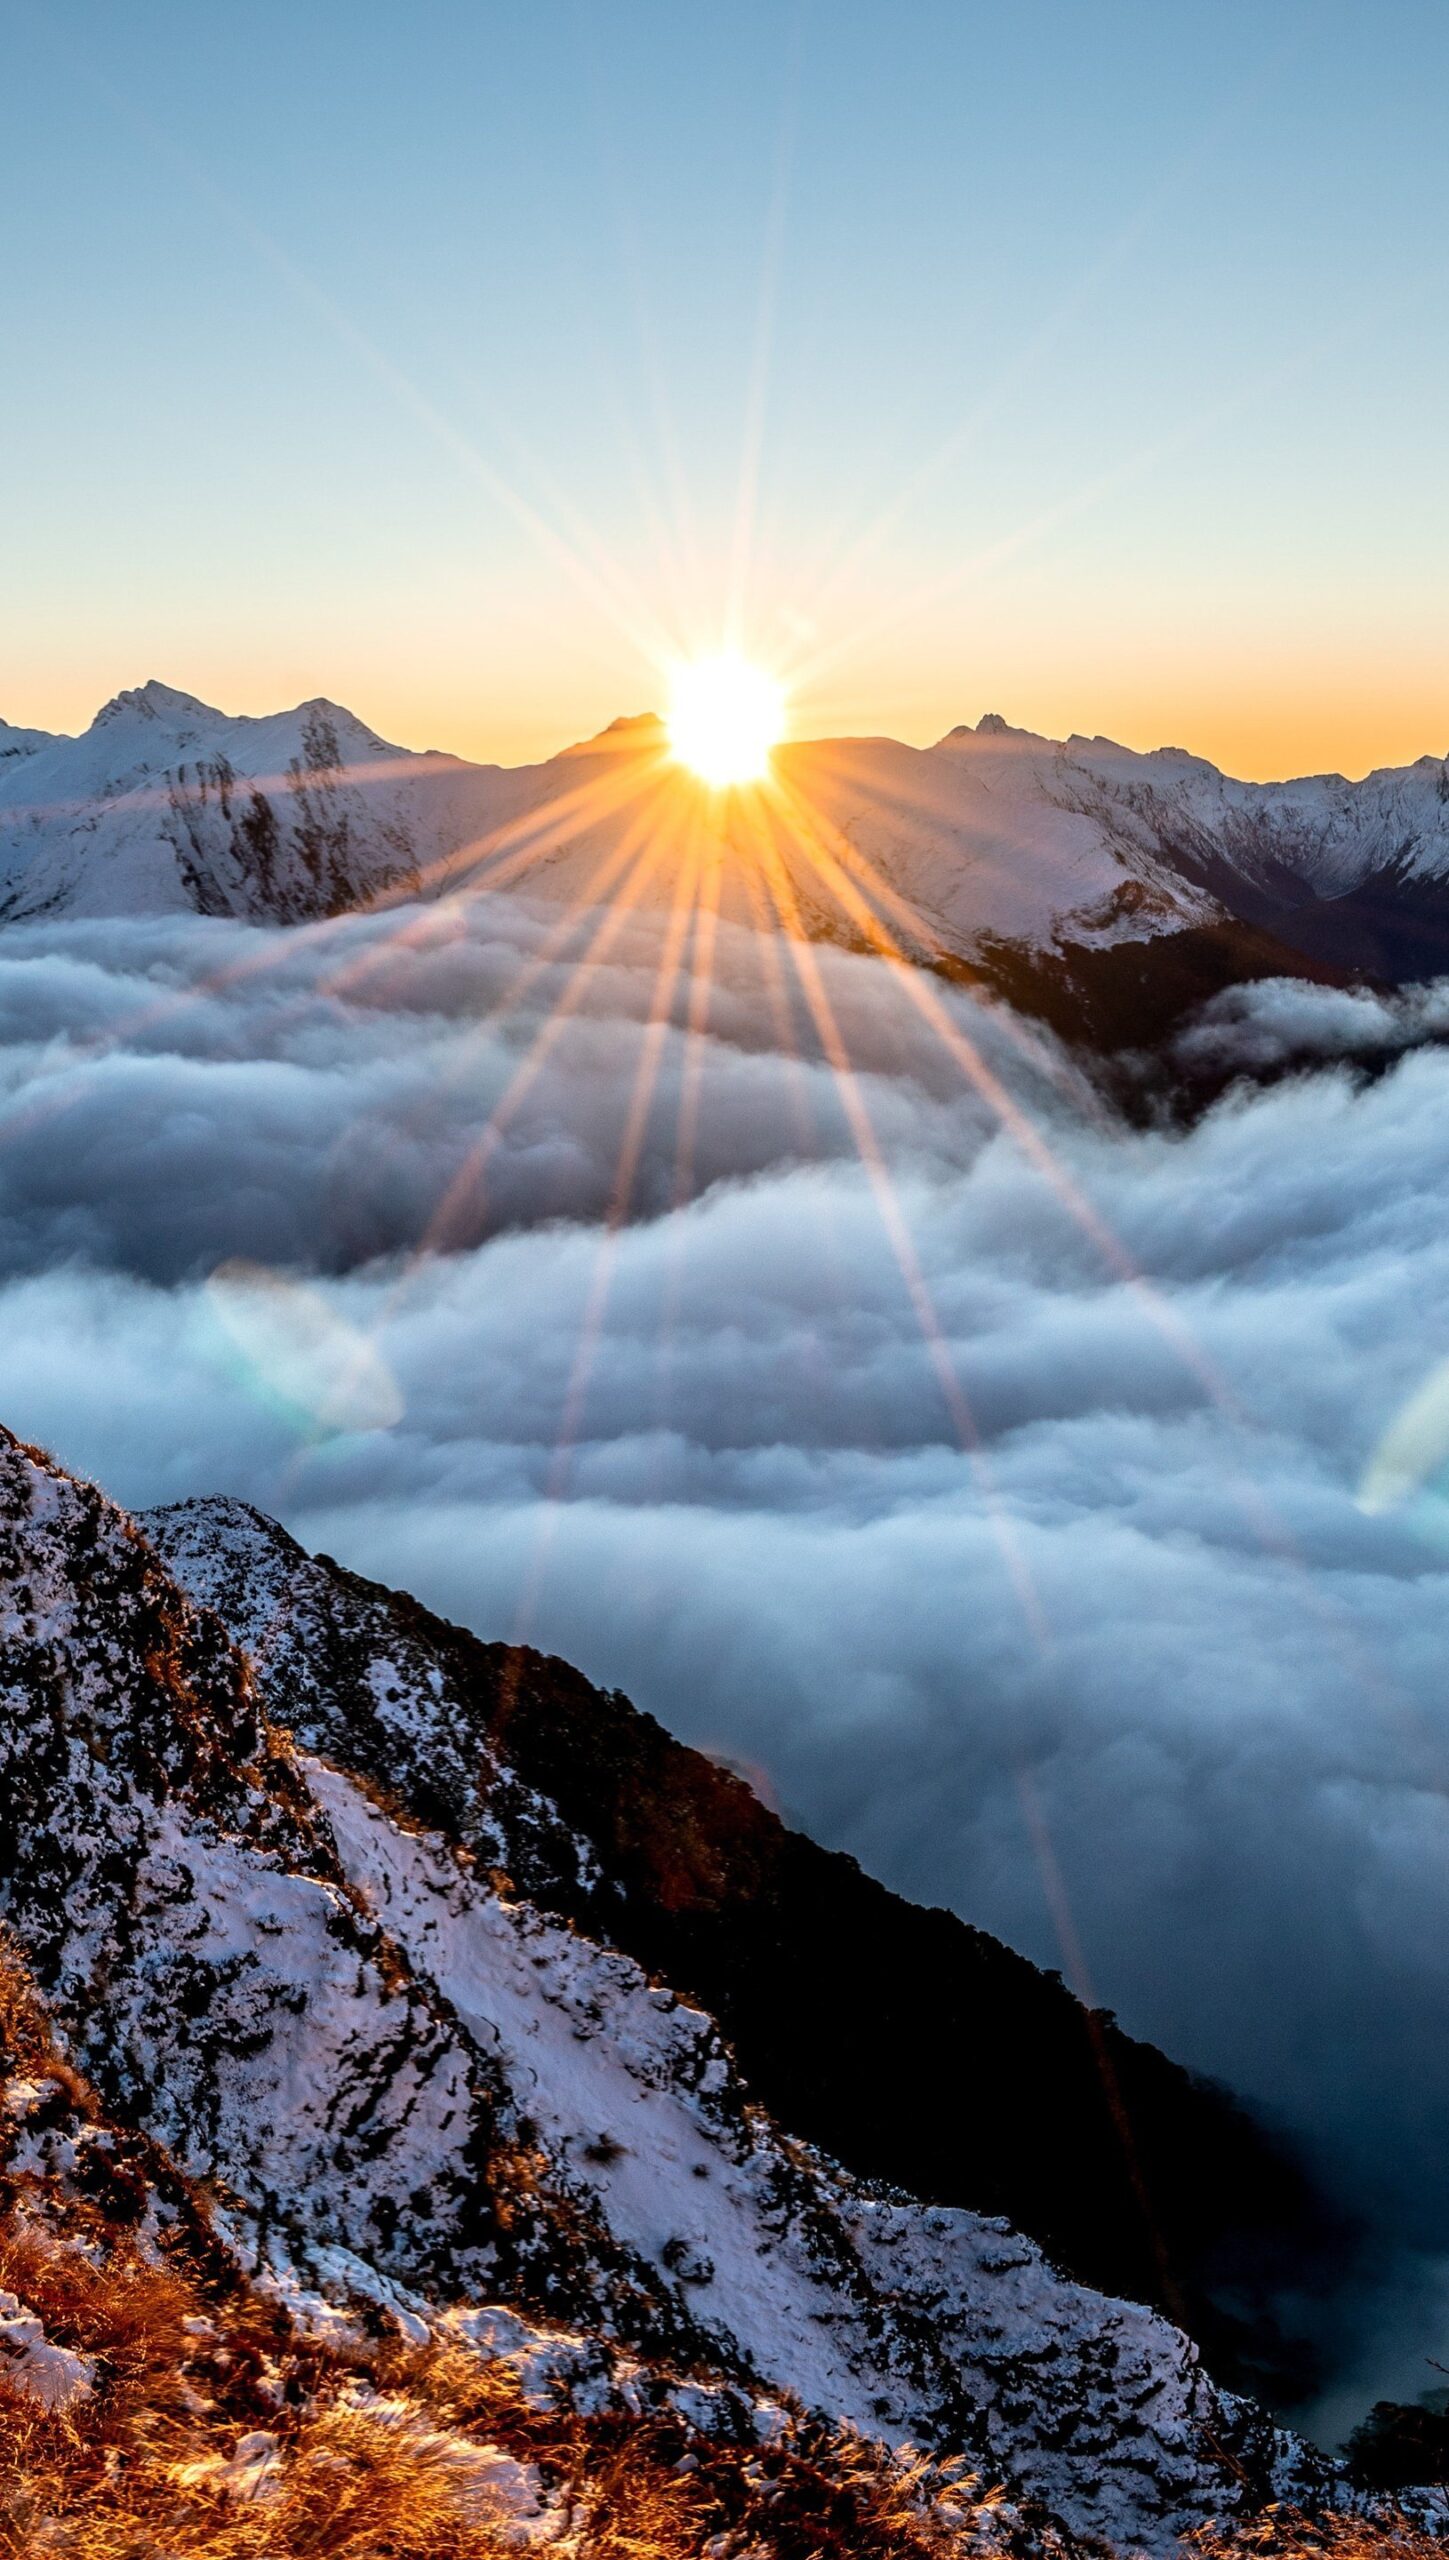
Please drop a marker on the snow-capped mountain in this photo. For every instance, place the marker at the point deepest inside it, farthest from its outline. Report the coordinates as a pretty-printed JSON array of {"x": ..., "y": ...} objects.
[
  {"x": 410, "y": 2080},
  {"x": 1351, "y": 873},
  {"x": 15, "y": 743},
  {"x": 1104, "y": 889},
  {"x": 165, "y": 805}
]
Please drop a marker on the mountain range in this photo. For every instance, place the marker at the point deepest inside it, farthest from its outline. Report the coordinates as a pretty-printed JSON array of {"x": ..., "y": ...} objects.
[
  {"x": 465, "y": 2005},
  {"x": 1104, "y": 890}
]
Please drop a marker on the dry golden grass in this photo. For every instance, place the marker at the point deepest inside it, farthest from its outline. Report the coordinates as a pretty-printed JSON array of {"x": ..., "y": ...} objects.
[
  {"x": 1286, "y": 2533},
  {"x": 350, "y": 2489},
  {"x": 128, "y": 2310},
  {"x": 376, "y": 2448}
]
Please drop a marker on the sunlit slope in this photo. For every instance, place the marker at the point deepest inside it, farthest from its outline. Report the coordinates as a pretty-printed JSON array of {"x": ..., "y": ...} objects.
[
  {"x": 1043, "y": 865},
  {"x": 164, "y": 804}
]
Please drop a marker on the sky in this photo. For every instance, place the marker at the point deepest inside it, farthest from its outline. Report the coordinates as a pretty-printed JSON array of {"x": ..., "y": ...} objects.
[{"x": 1088, "y": 365}]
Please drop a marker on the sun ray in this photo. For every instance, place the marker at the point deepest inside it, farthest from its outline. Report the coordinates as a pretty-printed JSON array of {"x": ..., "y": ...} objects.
[
  {"x": 519, "y": 844},
  {"x": 765, "y": 915},
  {"x": 631, "y": 1142},
  {"x": 1176, "y": 1334},
  {"x": 591, "y": 1325},
  {"x": 923, "y": 994},
  {"x": 469, "y": 1175},
  {"x": 594, "y": 894},
  {"x": 752, "y": 443},
  {"x": 898, "y": 1233},
  {"x": 705, "y": 924},
  {"x": 808, "y": 822},
  {"x": 696, "y": 1030}
]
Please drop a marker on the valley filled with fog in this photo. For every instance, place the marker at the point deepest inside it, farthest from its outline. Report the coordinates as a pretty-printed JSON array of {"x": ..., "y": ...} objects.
[{"x": 1025, "y": 1499}]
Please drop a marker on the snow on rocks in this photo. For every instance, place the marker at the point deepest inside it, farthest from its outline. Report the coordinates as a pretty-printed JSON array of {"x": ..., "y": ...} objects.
[
  {"x": 906, "y": 2321},
  {"x": 357, "y": 1684},
  {"x": 251, "y": 2473},
  {"x": 419, "y": 2092},
  {"x": 181, "y": 1903},
  {"x": 165, "y": 804},
  {"x": 31, "y": 2363},
  {"x": 1166, "y": 805}
]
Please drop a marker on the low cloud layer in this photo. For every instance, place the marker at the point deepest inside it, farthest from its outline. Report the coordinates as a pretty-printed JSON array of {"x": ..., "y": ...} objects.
[
  {"x": 187, "y": 1090},
  {"x": 706, "y": 1451}
]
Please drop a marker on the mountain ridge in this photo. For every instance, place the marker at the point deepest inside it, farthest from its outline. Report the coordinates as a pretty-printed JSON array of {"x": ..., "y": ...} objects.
[
  {"x": 155, "y": 696},
  {"x": 1104, "y": 889},
  {"x": 409, "y": 2085},
  {"x": 787, "y": 1944}
]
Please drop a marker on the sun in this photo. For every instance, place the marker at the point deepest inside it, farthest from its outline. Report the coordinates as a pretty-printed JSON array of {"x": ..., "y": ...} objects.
[{"x": 724, "y": 717}]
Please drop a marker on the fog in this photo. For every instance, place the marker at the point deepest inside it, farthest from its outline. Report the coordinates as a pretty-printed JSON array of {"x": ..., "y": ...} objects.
[{"x": 983, "y": 1472}]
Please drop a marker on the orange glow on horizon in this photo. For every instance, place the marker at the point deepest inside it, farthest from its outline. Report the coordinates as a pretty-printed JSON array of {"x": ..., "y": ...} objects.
[{"x": 1272, "y": 712}]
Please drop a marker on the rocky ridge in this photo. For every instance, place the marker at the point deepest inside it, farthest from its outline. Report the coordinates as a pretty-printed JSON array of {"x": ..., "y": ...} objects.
[
  {"x": 165, "y": 805},
  {"x": 409, "y": 2086},
  {"x": 599, "y": 1817}
]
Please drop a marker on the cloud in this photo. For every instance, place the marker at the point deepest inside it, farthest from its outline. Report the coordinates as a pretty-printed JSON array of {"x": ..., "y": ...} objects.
[
  {"x": 1281, "y": 1023},
  {"x": 705, "y": 1451},
  {"x": 189, "y": 1091}
]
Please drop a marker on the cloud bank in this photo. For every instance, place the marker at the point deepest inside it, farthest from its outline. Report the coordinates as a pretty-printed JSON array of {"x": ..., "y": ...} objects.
[{"x": 705, "y": 1449}]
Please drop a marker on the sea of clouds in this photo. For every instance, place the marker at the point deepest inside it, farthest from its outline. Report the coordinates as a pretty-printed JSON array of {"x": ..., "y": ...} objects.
[{"x": 693, "y": 1425}]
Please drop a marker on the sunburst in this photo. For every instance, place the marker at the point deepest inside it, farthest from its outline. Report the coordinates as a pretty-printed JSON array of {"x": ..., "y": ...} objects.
[{"x": 725, "y": 718}]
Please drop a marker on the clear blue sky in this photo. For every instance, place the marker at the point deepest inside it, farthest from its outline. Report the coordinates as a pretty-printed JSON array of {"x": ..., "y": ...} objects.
[{"x": 1084, "y": 362}]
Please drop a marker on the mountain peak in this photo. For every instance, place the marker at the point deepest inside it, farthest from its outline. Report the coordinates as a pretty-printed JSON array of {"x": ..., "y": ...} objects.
[
  {"x": 633, "y": 733},
  {"x": 322, "y": 703},
  {"x": 990, "y": 725},
  {"x": 154, "y": 701}
]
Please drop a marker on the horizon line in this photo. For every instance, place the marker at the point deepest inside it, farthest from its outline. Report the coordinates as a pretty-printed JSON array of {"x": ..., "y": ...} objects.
[{"x": 989, "y": 724}]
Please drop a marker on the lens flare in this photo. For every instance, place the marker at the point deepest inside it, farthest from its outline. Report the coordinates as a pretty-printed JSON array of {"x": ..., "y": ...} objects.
[
  {"x": 1412, "y": 1450},
  {"x": 303, "y": 1359},
  {"x": 724, "y": 717}
]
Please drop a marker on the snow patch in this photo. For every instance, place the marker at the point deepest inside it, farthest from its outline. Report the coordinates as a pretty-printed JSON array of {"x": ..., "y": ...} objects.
[{"x": 31, "y": 2363}]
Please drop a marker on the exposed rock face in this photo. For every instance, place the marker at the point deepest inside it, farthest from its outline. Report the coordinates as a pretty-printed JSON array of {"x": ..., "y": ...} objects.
[
  {"x": 181, "y": 1902},
  {"x": 407, "y": 2080},
  {"x": 165, "y": 804}
]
